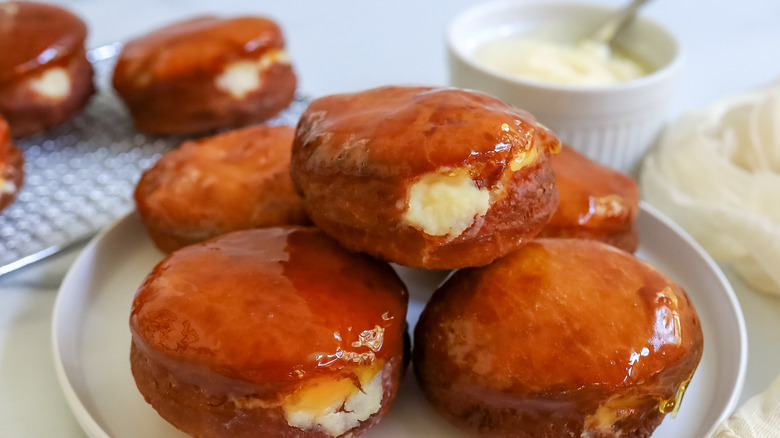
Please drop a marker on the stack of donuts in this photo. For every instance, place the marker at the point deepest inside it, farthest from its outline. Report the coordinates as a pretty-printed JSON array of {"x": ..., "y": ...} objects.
[
  {"x": 548, "y": 327},
  {"x": 277, "y": 310}
]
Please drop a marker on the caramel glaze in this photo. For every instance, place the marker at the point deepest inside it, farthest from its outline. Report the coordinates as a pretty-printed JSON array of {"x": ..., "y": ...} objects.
[
  {"x": 356, "y": 155},
  {"x": 166, "y": 78},
  {"x": 544, "y": 337},
  {"x": 35, "y": 37},
  {"x": 11, "y": 167},
  {"x": 232, "y": 181},
  {"x": 596, "y": 202},
  {"x": 259, "y": 312},
  {"x": 404, "y": 131}
]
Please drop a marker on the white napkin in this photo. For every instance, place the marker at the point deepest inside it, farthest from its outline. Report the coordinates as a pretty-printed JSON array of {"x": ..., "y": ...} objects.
[
  {"x": 758, "y": 418},
  {"x": 716, "y": 172}
]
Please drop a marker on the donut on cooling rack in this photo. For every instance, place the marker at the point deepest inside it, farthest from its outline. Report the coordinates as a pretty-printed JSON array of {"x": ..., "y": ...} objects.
[
  {"x": 204, "y": 74},
  {"x": 563, "y": 337},
  {"x": 231, "y": 181},
  {"x": 436, "y": 178},
  {"x": 45, "y": 77},
  {"x": 596, "y": 202},
  {"x": 269, "y": 332},
  {"x": 11, "y": 166}
]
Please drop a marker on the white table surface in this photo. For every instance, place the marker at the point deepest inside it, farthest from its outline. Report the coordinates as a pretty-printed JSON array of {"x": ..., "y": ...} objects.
[{"x": 340, "y": 45}]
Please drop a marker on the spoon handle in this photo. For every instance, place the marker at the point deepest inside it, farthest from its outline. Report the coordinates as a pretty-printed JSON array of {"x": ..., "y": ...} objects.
[{"x": 615, "y": 23}]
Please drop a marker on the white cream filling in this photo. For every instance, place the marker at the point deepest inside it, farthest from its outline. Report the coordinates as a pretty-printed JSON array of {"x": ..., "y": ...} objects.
[
  {"x": 581, "y": 63},
  {"x": 242, "y": 77},
  {"x": 523, "y": 159},
  {"x": 344, "y": 413},
  {"x": 614, "y": 410},
  {"x": 7, "y": 186},
  {"x": 445, "y": 204},
  {"x": 53, "y": 83}
]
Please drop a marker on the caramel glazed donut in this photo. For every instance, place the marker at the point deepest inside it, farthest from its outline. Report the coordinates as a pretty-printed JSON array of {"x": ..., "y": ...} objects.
[
  {"x": 11, "y": 167},
  {"x": 45, "y": 77},
  {"x": 204, "y": 74},
  {"x": 561, "y": 338},
  {"x": 596, "y": 202},
  {"x": 231, "y": 181},
  {"x": 273, "y": 332},
  {"x": 436, "y": 178}
]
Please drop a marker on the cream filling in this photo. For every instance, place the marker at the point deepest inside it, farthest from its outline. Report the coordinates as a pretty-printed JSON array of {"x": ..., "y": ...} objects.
[
  {"x": 614, "y": 410},
  {"x": 7, "y": 187},
  {"x": 582, "y": 63},
  {"x": 335, "y": 407},
  {"x": 448, "y": 203},
  {"x": 242, "y": 77},
  {"x": 523, "y": 159},
  {"x": 445, "y": 204},
  {"x": 53, "y": 83}
]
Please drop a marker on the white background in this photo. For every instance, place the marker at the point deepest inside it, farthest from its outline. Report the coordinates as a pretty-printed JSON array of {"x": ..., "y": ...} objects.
[{"x": 337, "y": 46}]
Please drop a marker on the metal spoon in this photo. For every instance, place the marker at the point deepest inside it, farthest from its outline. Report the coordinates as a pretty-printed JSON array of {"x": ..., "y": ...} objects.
[{"x": 616, "y": 23}]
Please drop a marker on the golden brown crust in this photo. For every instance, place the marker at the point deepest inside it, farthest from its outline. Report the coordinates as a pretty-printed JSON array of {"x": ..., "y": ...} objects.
[
  {"x": 34, "y": 39},
  {"x": 540, "y": 342},
  {"x": 596, "y": 202},
  {"x": 11, "y": 167},
  {"x": 167, "y": 78},
  {"x": 225, "y": 331},
  {"x": 232, "y": 181},
  {"x": 191, "y": 410},
  {"x": 356, "y": 157}
]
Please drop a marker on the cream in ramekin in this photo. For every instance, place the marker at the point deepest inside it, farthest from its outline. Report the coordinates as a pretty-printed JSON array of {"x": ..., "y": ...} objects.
[{"x": 612, "y": 123}]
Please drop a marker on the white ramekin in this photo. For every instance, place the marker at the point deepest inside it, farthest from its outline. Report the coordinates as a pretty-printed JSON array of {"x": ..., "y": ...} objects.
[{"x": 613, "y": 124}]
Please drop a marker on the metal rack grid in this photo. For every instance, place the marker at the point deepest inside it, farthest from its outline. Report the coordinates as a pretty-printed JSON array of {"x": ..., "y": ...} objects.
[{"x": 80, "y": 176}]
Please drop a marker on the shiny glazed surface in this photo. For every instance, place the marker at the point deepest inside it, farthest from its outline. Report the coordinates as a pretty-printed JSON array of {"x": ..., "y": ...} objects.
[
  {"x": 596, "y": 202},
  {"x": 173, "y": 79},
  {"x": 397, "y": 131},
  {"x": 555, "y": 331},
  {"x": 232, "y": 181},
  {"x": 11, "y": 166},
  {"x": 45, "y": 77},
  {"x": 35, "y": 35},
  {"x": 356, "y": 156},
  {"x": 5, "y": 140},
  {"x": 195, "y": 47},
  {"x": 259, "y": 311}
]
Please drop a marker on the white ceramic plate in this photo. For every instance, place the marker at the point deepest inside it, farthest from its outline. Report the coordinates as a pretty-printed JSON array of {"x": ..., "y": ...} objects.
[{"x": 92, "y": 340}]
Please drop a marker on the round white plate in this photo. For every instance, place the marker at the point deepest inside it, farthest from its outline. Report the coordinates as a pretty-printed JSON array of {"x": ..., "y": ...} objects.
[{"x": 92, "y": 339}]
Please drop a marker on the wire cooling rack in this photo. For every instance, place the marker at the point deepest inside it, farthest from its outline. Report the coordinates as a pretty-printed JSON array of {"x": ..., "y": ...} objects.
[{"x": 80, "y": 176}]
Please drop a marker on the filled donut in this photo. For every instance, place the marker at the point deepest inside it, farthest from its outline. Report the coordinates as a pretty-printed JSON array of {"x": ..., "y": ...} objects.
[
  {"x": 205, "y": 73},
  {"x": 11, "y": 166},
  {"x": 45, "y": 77},
  {"x": 231, "y": 181},
  {"x": 596, "y": 202},
  {"x": 563, "y": 337},
  {"x": 435, "y": 178},
  {"x": 269, "y": 332}
]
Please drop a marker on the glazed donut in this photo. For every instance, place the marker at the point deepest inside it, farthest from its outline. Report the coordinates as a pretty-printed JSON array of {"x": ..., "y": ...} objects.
[
  {"x": 204, "y": 74},
  {"x": 563, "y": 337},
  {"x": 231, "y": 181},
  {"x": 435, "y": 178},
  {"x": 269, "y": 332},
  {"x": 11, "y": 166},
  {"x": 596, "y": 202},
  {"x": 45, "y": 77}
]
